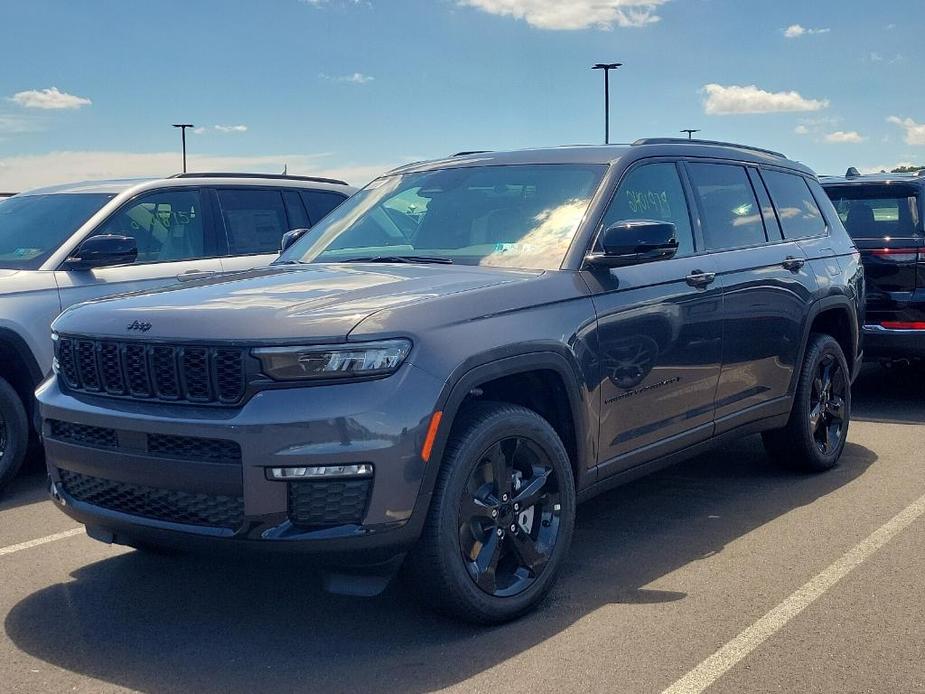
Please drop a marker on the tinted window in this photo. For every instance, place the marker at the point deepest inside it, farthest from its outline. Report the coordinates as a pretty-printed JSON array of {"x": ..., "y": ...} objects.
[
  {"x": 876, "y": 211},
  {"x": 653, "y": 191},
  {"x": 166, "y": 224},
  {"x": 255, "y": 220},
  {"x": 33, "y": 226},
  {"x": 731, "y": 216},
  {"x": 512, "y": 216},
  {"x": 797, "y": 210},
  {"x": 320, "y": 202},
  {"x": 295, "y": 210}
]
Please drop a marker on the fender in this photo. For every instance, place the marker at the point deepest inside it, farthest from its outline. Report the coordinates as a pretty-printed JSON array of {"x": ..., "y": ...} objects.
[
  {"x": 19, "y": 347},
  {"x": 824, "y": 304}
]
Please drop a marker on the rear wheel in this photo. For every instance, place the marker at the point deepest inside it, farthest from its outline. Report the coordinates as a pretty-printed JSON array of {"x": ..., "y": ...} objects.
[
  {"x": 14, "y": 433},
  {"x": 815, "y": 434},
  {"x": 501, "y": 519}
]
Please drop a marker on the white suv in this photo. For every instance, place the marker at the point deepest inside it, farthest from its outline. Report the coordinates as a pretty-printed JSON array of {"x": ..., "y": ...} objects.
[{"x": 63, "y": 245}]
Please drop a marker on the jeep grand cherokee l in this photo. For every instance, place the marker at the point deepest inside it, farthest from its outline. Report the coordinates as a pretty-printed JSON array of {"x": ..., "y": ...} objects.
[
  {"x": 459, "y": 354},
  {"x": 884, "y": 215},
  {"x": 71, "y": 243}
]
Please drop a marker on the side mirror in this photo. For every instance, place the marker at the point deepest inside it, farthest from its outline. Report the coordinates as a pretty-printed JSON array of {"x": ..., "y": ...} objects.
[
  {"x": 290, "y": 237},
  {"x": 103, "y": 251},
  {"x": 635, "y": 241}
]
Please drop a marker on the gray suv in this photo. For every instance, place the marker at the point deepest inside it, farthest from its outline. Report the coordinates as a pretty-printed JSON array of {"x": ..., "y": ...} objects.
[
  {"x": 455, "y": 357},
  {"x": 72, "y": 243}
]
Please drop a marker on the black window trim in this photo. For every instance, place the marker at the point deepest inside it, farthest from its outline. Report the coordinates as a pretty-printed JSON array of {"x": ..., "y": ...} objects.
[{"x": 208, "y": 227}]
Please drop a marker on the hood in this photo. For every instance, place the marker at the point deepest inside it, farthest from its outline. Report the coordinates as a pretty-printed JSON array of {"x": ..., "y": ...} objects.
[{"x": 320, "y": 303}]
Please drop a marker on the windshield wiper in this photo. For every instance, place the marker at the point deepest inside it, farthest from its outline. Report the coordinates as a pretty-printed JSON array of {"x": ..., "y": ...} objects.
[{"x": 400, "y": 259}]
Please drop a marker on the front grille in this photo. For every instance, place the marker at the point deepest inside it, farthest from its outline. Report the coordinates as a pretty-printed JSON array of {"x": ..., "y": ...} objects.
[
  {"x": 150, "y": 502},
  {"x": 193, "y": 448},
  {"x": 172, "y": 373},
  {"x": 94, "y": 437},
  {"x": 334, "y": 502}
]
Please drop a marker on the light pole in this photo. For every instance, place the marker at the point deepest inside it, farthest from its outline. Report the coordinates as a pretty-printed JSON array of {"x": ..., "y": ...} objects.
[
  {"x": 183, "y": 127},
  {"x": 606, "y": 67},
  {"x": 690, "y": 132}
]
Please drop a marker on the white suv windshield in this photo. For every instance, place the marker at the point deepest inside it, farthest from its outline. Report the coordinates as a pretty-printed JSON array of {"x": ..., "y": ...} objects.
[
  {"x": 33, "y": 226},
  {"x": 510, "y": 216}
]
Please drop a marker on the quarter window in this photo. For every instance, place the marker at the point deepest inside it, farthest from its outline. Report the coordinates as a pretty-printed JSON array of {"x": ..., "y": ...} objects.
[
  {"x": 653, "y": 191},
  {"x": 320, "y": 202},
  {"x": 167, "y": 225},
  {"x": 731, "y": 216},
  {"x": 255, "y": 220},
  {"x": 796, "y": 208}
]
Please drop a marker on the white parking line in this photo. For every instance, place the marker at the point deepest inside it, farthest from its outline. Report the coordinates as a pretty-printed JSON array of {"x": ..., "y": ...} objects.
[
  {"x": 726, "y": 657},
  {"x": 40, "y": 541}
]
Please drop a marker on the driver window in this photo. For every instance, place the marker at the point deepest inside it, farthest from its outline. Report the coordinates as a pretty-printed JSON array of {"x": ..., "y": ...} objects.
[
  {"x": 167, "y": 225},
  {"x": 653, "y": 191}
]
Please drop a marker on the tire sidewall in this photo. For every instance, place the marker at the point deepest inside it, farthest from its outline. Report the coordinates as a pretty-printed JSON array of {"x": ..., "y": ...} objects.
[
  {"x": 822, "y": 346},
  {"x": 14, "y": 417},
  {"x": 505, "y": 423}
]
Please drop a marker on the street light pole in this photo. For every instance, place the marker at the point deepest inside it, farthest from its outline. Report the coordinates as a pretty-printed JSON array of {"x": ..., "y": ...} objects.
[
  {"x": 606, "y": 67},
  {"x": 183, "y": 127},
  {"x": 690, "y": 132}
]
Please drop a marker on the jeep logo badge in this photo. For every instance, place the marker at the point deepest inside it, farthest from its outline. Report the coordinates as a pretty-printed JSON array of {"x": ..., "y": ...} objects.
[{"x": 138, "y": 325}]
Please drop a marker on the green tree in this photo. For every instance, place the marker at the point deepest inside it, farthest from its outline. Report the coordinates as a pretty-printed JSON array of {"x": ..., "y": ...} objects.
[{"x": 907, "y": 169}]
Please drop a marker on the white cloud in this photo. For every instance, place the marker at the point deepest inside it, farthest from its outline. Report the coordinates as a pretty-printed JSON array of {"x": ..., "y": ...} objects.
[
  {"x": 801, "y": 130},
  {"x": 355, "y": 78},
  {"x": 49, "y": 99},
  {"x": 22, "y": 172},
  {"x": 795, "y": 31},
  {"x": 12, "y": 124},
  {"x": 573, "y": 14},
  {"x": 722, "y": 100},
  {"x": 231, "y": 128},
  {"x": 198, "y": 131},
  {"x": 844, "y": 137},
  {"x": 915, "y": 132},
  {"x": 885, "y": 167}
]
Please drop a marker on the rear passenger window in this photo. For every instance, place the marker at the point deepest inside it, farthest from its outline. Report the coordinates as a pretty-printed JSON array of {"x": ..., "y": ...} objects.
[
  {"x": 731, "y": 216},
  {"x": 255, "y": 220},
  {"x": 796, "y": 208},
  {"x": 320, "y": 202},
  {"x": 653, "y": 191}
]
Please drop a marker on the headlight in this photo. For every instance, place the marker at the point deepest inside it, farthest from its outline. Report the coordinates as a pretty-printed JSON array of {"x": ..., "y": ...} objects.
[{"x": 333, "y": 361}]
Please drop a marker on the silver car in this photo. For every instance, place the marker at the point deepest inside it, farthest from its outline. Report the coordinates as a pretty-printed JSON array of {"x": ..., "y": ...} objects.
[{"x": 64, "y": 245}]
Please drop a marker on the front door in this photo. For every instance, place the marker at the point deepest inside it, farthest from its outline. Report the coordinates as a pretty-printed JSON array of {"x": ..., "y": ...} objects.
[{"x": 659, "y": 330}]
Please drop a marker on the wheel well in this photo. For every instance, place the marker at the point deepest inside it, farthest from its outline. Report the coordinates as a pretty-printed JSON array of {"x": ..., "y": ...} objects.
[
  {"x": 837, "y": 323},
  {"x": 15, "y": 370},
  {"x": 542, "y": 391}
]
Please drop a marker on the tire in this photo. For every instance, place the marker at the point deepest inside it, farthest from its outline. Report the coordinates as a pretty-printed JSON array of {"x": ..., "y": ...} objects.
[
  {"x": 14, "y": 433},
  {"x": 489, "y": 437},
  {"x": 815, "y": 434}
]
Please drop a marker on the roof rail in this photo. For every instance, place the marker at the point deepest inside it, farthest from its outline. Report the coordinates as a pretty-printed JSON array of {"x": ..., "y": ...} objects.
[
  {"x": 471, "y": 151},
  {"x": 685, "y": 141},
  {"x": 852, "y": 172},
  {"x": 283, "y": 177}
]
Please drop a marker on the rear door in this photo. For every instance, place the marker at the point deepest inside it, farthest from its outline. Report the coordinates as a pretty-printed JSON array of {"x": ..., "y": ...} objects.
[
  {"x": 253, "y": 221},
  {"x": 659, "y": 330},
  {"x": 766, "y": 289},
  {"x": 176, "y": 243},
  {"x": 885, "y": 221}
]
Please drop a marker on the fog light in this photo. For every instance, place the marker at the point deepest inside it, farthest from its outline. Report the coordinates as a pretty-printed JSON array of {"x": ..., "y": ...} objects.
[{"x": 320, "y": 472}]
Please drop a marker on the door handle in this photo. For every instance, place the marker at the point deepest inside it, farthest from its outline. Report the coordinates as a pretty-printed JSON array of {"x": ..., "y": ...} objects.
[
  {"x": 700, "y": 279},
  {"x": 793, "y": 264},
  {"x": 191, "y": 275}
]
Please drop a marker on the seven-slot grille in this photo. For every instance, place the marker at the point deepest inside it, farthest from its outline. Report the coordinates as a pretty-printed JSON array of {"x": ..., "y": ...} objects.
[{"x": 175, "y": 373}]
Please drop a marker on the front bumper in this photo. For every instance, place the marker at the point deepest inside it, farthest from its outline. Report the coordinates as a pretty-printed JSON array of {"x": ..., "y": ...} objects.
[
  {"x": 107, "y": 473},
  {"x": 884, "y": 343}
]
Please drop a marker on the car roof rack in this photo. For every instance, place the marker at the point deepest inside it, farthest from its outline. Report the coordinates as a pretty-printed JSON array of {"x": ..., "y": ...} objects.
[
  {"x": 685, "y": 141},
  {"x": 283, "y": 177},
  {"x": 470, "y": 151}
]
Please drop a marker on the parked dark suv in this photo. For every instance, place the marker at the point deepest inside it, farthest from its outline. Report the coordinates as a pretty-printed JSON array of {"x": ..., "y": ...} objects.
[
  {"x": 443, "y": 367},
  {"x": 883, "y": 213}
]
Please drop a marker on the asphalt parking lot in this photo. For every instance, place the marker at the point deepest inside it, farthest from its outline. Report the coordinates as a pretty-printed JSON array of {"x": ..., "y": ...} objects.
[{"x": 722, "y": 573}]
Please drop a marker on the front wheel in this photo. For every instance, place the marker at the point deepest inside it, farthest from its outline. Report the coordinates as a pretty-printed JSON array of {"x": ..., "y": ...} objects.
[
  {"x": 501, "y": 519},
  {"x": 14, "y": 433},
  {"x": 815, "y": 434}
]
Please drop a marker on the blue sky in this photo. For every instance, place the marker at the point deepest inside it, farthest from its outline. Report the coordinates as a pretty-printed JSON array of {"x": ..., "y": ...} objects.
[{"x": 352, "y": 87}]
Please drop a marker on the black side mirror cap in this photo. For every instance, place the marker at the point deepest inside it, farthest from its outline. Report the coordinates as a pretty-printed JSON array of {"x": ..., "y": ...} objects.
[
  {"x": 635, "y": 241},
  {"x": 290, "y": 237},
  {"x": 103, "y": 251}
]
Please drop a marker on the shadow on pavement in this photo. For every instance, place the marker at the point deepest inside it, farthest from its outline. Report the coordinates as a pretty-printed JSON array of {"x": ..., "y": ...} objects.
[
  {"x": 191, "y": 624},
  {"x": 890, "y": 396},
  {"x": 28, "y": 487}
]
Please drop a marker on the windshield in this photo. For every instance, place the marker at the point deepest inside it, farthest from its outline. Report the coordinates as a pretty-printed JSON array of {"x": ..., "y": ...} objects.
[
  {"x": 875, "y": 212},
  {"x": 510, "y": 216},
  {"x": 33, "y": 226}
]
